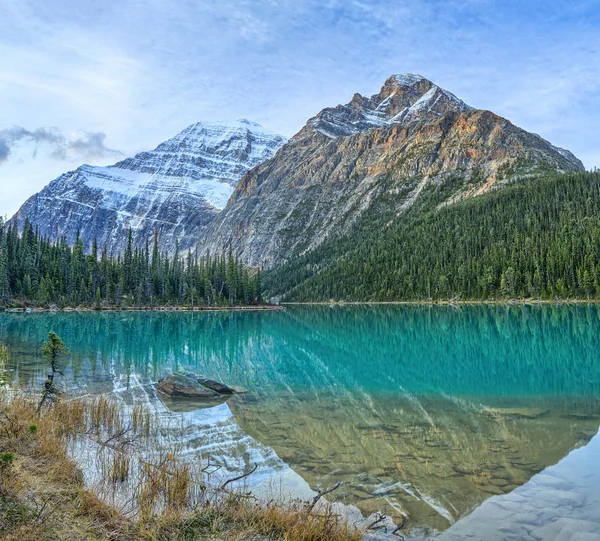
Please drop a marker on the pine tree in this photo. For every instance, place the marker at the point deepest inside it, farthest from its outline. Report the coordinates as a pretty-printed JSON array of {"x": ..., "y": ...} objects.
[{"x": 52, "y": 351}]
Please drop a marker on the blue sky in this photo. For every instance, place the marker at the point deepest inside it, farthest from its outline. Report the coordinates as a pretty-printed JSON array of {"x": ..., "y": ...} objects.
[{"x": 87, "y": 81}]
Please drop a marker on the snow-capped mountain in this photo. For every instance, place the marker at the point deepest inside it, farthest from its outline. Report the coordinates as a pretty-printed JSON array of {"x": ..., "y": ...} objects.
[
  {"x": 375, "y": 155},
  {"x": 174, "y": 191}
]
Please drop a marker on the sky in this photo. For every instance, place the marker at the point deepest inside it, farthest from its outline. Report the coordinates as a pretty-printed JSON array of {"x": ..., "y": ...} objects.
[{"x": 83, "y": 81}]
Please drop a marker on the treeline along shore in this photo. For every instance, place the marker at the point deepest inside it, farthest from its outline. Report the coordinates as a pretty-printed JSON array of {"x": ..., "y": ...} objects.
[{"x": 36, "y": 272}]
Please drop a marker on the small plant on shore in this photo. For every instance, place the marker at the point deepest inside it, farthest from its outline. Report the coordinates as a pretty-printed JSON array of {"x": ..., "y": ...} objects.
[
  {"x": 6, "y": 459},
  {"x": 52, "y": 351}
]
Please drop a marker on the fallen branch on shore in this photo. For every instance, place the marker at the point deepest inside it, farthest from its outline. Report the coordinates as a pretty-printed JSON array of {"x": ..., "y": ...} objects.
[{"x": 239, "y": 477}]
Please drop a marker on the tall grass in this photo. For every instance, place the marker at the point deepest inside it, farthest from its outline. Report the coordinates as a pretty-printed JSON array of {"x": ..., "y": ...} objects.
[{"x": 140, "y": 491}]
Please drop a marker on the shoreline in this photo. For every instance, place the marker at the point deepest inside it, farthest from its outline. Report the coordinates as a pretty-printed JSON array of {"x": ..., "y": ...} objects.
[
  {"x": 510, "y": 302},
  {"x": 260, "y": 307},
  {"x": 283, "y": 305}
]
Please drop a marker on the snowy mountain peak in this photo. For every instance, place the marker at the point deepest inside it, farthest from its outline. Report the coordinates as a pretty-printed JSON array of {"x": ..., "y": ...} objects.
[
  {"x": 206, "y": 153},
  {"x": 248, "y": 122},
  {"x": 222, "y": 136},
  {"x": 405, "y": 79},
  {"x": 403, "y": 97},
  {"x": 175, "y": 189}
]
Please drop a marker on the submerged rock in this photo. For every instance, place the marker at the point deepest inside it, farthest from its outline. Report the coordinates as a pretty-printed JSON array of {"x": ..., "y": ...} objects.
[
  {"x": 185, "y": 384},
  {"x": 521, "y": 413},
  {"x": 180, "y": 404},
  {"x": 189, "y": 385},
  {"x": 220, "y": 388}
]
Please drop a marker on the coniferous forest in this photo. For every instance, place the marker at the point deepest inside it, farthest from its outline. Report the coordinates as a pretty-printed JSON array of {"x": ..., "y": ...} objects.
[
  {"x": 537, "y": 238},
  {"x": 33, "y": 270}
]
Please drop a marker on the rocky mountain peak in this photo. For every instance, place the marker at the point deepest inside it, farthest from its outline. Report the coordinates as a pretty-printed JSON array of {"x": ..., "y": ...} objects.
[
  {"x": 375, "y": 156},
  {"x": 403, "y": 97}
]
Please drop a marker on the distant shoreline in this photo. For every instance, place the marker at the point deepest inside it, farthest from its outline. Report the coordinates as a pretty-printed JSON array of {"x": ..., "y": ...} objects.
[
  {"x": 282, "y": 305},
  {"x": 512, "y": 302},
  {"x": 258, "y": 307}
]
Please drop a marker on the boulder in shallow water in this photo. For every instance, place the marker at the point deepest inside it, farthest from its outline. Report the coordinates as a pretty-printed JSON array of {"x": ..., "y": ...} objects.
[
  {"x": 185, "y": 385},
  {"x": 220, "y": 388}
]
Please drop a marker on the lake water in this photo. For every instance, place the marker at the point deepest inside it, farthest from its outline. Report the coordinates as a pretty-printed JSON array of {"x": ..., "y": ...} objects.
[{"x": 477, "y": 422}]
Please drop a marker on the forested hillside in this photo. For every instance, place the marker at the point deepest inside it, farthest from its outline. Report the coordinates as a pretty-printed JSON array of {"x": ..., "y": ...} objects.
[
  {"x": 536, "y": 238},
  {"x": 37, "y": 271}
]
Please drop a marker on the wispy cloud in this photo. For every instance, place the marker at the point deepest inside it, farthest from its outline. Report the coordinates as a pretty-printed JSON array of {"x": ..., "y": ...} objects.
[
  {"x": 29, "y": 159},
  {"x": 78, "y": 147}
]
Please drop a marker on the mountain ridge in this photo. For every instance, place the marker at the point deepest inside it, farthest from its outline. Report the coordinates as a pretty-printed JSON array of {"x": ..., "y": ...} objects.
[
  {"x": 237, "y": 186},
  {"x": 174, "y": 190}
]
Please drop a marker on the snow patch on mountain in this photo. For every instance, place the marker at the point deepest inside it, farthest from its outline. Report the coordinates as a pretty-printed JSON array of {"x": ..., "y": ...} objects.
[{"x": 408, "y": 79}]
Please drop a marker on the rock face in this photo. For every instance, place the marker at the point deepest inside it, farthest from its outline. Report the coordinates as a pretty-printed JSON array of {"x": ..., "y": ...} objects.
[
  {"x": 174, "y": 191},
  {"x": 188, "y": 385},
  {"x": 373, "y": 152}
]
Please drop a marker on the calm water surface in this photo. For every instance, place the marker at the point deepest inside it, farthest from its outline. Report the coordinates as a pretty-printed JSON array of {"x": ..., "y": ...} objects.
[{"x": 476, "y": 422}]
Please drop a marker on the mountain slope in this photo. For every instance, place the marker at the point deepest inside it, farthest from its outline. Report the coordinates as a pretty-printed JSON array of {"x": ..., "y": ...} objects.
[
  {"x": 175, "y": 190},
  {"x": 374, "y": 153},
  {"x": 536, "y": 238}
]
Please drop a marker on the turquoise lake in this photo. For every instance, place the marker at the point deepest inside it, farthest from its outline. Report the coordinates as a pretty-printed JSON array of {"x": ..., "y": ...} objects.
[{"x": 440, "y": 417}]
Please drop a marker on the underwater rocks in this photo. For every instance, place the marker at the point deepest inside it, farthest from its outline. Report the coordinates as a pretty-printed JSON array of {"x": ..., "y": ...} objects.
[{"x": 189, "y": 385}]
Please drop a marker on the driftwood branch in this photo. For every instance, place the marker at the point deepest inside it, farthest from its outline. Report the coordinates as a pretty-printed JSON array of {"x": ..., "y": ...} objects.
[
  {"x": 321, "y": 493},
  {"x": 119, "y": 438},
  {"x": 233, "y": 479},
  {"x": 379, "y": 517},
  {"x": 209, "y": 465}
]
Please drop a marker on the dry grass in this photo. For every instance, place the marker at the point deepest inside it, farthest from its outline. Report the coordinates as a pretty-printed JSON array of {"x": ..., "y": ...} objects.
[{"x": 42, "y": 493}]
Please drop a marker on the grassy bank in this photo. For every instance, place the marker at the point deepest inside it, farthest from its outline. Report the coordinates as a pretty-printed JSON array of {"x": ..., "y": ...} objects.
[{"x": 43, "y": 495}]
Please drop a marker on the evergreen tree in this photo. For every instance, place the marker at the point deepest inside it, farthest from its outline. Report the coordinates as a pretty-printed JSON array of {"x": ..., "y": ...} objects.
[{"x": 52, "y": 351}]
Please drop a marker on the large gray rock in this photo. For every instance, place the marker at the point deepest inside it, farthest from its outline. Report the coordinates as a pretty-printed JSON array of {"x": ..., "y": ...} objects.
[
  {"x": 189, "y": 385},
  {"x": 185, "y": 385}
]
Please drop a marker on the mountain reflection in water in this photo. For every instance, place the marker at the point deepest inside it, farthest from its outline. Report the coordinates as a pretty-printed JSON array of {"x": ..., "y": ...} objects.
[{"x": 423, "y": 412}]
